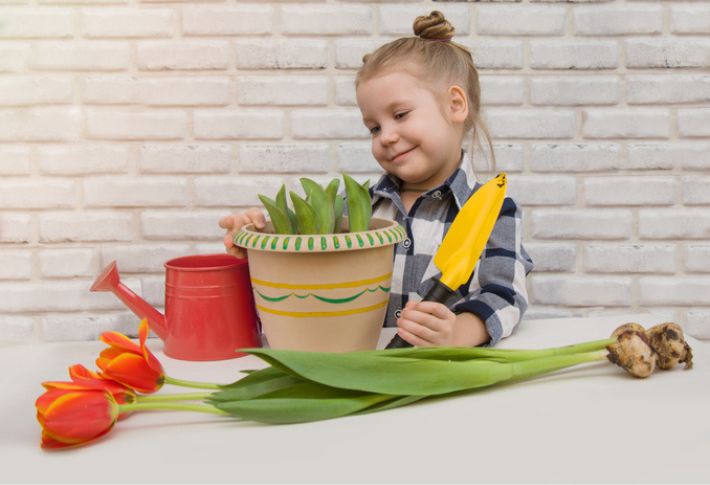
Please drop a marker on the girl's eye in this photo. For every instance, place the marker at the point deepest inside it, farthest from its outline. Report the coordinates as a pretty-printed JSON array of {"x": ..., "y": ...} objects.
[
  {"x": 399, "y": 116},
  {"x": 374, "y": 130}
]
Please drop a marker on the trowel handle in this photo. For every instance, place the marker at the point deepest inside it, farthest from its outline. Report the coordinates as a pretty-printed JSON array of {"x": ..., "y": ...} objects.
[
  {"x": 398, "y": 343},
  {"x": 438, "y": 293}
]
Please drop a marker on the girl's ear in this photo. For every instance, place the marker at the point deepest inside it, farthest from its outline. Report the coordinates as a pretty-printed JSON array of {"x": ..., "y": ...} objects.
[{"x": 457, "y": 104}]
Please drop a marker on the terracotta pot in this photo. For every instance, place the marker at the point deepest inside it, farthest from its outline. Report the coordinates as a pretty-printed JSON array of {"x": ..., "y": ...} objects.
[{"x": 325, "y": 293}]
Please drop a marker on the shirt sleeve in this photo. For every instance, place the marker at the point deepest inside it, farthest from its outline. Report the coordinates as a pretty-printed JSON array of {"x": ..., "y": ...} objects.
[{"x": 497, "y": 292}]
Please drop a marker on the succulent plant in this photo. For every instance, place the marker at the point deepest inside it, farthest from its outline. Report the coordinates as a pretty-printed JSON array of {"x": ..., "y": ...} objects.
[{"x": 321, "y": 211}]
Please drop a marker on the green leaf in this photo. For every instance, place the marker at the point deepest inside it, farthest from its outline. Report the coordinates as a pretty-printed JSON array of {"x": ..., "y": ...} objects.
[
  {"x": 385, "y": 375},
  {"x": 256, "y": 389},
  {"x": 332, "y": 190},
  {"x": 393, "y": 403},
  {"x": 339, "y": 206},
  {"x": 499, "y": 355},
  {"x": 305, "y": 215},
  {"x": 305, "y": 401},
  {"x": 279, "y": 218},
  {"x": 368, "y": 372},
  {"x": 283, "y": 204},
  {"x": 359, "y": 205},
  {"x": 255, "y": 376},
  {"x": 322, "y": 204}
]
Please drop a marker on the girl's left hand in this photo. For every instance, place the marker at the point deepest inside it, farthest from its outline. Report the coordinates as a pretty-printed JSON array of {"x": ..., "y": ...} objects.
[{"x": 426, "y": 324}]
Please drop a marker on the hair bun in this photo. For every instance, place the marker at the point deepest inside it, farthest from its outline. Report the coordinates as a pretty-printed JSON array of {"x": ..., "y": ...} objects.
[{"x": 433, "y": 27}]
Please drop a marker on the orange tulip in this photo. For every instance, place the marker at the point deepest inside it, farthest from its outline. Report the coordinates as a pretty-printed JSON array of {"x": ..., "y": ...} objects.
[
  {"x": 130, "y": 364},
  {"x": 83, "y": 376},
  {"x": 73, "y": 417},
  {"x": 84, "y": 379}
]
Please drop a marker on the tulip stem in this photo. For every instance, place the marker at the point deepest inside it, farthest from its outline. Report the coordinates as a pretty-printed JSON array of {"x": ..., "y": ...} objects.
[
  {"x": 194, "y": 396},
  {"x": 168, "y": 406},
  {"x": 195, "y": 384}
]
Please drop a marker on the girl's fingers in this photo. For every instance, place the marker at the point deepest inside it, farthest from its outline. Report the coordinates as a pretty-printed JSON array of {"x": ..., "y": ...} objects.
[
  {"x": 237, "y": 252},
  {"x": 234, "y": 222},
  {"x": 256, "y": 217},
  {"x": 227, "y": 222},
  {"x": 432, "y": 322},
  {"x": 437, "y": 309},
  {"x": 416, "y": 329},
  {"x": 412, "y": 339},
  {"x": 228, "y": 242}
]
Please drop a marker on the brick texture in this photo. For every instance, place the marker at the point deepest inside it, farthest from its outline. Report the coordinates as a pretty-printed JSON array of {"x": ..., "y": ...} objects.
[{"x": 128, "y": 128}]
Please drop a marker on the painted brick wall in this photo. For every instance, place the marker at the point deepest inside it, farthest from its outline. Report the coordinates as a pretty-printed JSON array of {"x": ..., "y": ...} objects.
[{"x": 128, "y": 127}]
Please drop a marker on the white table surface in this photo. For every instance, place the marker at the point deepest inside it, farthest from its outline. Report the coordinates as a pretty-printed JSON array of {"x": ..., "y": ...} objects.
[{"x": 590, "y": 424}]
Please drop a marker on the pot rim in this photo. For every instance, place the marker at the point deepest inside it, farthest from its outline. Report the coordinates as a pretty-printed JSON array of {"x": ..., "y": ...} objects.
[{"x": 388, "y": 234}]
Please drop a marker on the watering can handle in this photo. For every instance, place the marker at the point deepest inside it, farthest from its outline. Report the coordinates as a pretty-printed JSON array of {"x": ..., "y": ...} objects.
[{"x": 438, "y": 293}]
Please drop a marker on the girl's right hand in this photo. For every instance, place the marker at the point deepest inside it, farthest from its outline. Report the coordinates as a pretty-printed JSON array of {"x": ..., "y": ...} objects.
[{"x": 234, "y": 222}]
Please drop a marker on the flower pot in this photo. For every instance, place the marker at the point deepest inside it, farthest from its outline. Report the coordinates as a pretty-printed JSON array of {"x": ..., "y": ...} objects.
[{"x": 325, "y": 293}]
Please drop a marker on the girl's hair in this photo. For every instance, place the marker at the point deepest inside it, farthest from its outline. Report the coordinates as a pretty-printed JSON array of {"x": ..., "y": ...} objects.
[{"x": 440, "y": 59}]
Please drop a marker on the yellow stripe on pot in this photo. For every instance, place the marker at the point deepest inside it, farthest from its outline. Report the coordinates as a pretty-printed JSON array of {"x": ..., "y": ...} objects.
[
  {"x": 340, "y": 313},
  {"x": 323, "y": 286}
]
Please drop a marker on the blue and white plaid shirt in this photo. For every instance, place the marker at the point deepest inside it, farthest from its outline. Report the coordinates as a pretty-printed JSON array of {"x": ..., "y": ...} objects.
[{"x": 496, "y": 292}]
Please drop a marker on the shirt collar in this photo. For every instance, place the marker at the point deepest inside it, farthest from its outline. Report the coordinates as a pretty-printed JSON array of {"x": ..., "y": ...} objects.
[{"x": 461, "y": 183}]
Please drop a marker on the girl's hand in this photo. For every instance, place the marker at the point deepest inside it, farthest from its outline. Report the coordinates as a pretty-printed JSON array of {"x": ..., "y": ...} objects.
[
  {"x": 234, "y": 222},
  {"x": 427, "y": 324}
]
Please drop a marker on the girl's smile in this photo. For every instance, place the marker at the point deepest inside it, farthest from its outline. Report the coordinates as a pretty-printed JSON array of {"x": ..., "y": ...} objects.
[{"x": 402, "y": 155}]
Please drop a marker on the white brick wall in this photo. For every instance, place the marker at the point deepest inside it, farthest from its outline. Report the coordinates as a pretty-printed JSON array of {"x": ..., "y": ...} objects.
[{"x": 128, "y": 127}]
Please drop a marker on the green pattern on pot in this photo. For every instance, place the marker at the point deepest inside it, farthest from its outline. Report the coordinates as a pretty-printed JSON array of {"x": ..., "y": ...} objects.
[
  {"x": 335, "y": 301},
  {"x": 311, "y": 243}
]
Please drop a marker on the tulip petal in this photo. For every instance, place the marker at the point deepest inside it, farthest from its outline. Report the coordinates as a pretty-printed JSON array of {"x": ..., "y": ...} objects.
[
  {"x": 153, "y": 362},
  {"x": 45, "y": 400},
  {"x": 151, "y": 359},
  {"x": 116, "y": 339},
  {"x": 79, "y": 372},
  {"x": 102, "y": 362},
  {"x": 51, "y": 443},
  {"x": 67, "y": 386},
  {"x": 113, "y": 352},
  {"x": 132, "y": 370},
  {"x": 143, "y": 330},
  {"x": 78, "y": 416}
]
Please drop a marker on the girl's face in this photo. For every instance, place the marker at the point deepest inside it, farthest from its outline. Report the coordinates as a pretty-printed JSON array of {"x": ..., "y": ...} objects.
[{"x": 415, "y": 136}]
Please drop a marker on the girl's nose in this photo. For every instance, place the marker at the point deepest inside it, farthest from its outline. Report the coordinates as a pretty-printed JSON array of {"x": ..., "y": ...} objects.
[{"x": 389, "y": 136}]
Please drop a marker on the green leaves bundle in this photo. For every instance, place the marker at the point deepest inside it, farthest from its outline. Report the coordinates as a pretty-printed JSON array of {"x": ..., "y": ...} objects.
[
  {"x": 310, "y": 386},
  {"x": 321, "y": 211}
]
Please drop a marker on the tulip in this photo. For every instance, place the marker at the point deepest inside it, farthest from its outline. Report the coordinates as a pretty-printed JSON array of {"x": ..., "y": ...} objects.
[
  {"x": 83, "y": 376},
  {"x": 132, "y": 365},
  {"x": 84, "y": 379},
  {"x": 73, "y": 417}
]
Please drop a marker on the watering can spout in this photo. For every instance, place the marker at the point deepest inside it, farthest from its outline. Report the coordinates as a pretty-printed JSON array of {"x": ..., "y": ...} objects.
[{"x": 109, "y": 280}]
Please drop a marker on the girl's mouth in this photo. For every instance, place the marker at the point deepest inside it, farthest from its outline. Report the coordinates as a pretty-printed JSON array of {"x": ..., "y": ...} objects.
[{"x": 399, "y": 157}]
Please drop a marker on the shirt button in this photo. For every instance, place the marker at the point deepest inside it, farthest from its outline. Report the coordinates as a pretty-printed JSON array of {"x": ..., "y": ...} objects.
[
  {"x": 398, "y": 312},
  {"x": 437, "y": 194},
  {"x": 406, "y": 243}
]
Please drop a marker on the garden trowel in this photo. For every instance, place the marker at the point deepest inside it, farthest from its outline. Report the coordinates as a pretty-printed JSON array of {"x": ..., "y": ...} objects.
[{"x": 464, "y": 243}]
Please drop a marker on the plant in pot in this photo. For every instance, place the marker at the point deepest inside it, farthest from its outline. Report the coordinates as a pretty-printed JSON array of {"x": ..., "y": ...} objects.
[{"x": 321, "y": 280}]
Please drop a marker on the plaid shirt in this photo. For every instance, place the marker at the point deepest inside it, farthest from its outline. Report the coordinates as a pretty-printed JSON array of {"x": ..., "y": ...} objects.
[{"x": 496, "y": 292}]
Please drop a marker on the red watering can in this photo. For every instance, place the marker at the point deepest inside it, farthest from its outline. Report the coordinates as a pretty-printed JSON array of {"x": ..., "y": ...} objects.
[{"x": 209, "y": 307}]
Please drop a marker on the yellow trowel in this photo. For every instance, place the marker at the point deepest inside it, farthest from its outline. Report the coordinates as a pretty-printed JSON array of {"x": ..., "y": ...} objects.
[{"x": 464, "y": 242}]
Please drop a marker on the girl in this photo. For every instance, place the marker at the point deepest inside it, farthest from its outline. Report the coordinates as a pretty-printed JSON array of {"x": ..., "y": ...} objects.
[{"x": 419, "y": 97}]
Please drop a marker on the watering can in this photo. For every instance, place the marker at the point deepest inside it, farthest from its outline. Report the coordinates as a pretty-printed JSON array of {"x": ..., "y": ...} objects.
[{"x": 209, "y": 306}]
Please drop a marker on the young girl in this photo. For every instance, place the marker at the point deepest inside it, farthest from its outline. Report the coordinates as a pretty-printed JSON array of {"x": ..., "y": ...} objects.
[{"x": 419, "y": 97}]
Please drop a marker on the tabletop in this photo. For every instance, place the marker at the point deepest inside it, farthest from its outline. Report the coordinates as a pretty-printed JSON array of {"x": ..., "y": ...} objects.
[{"x": 591, "y": 423}]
